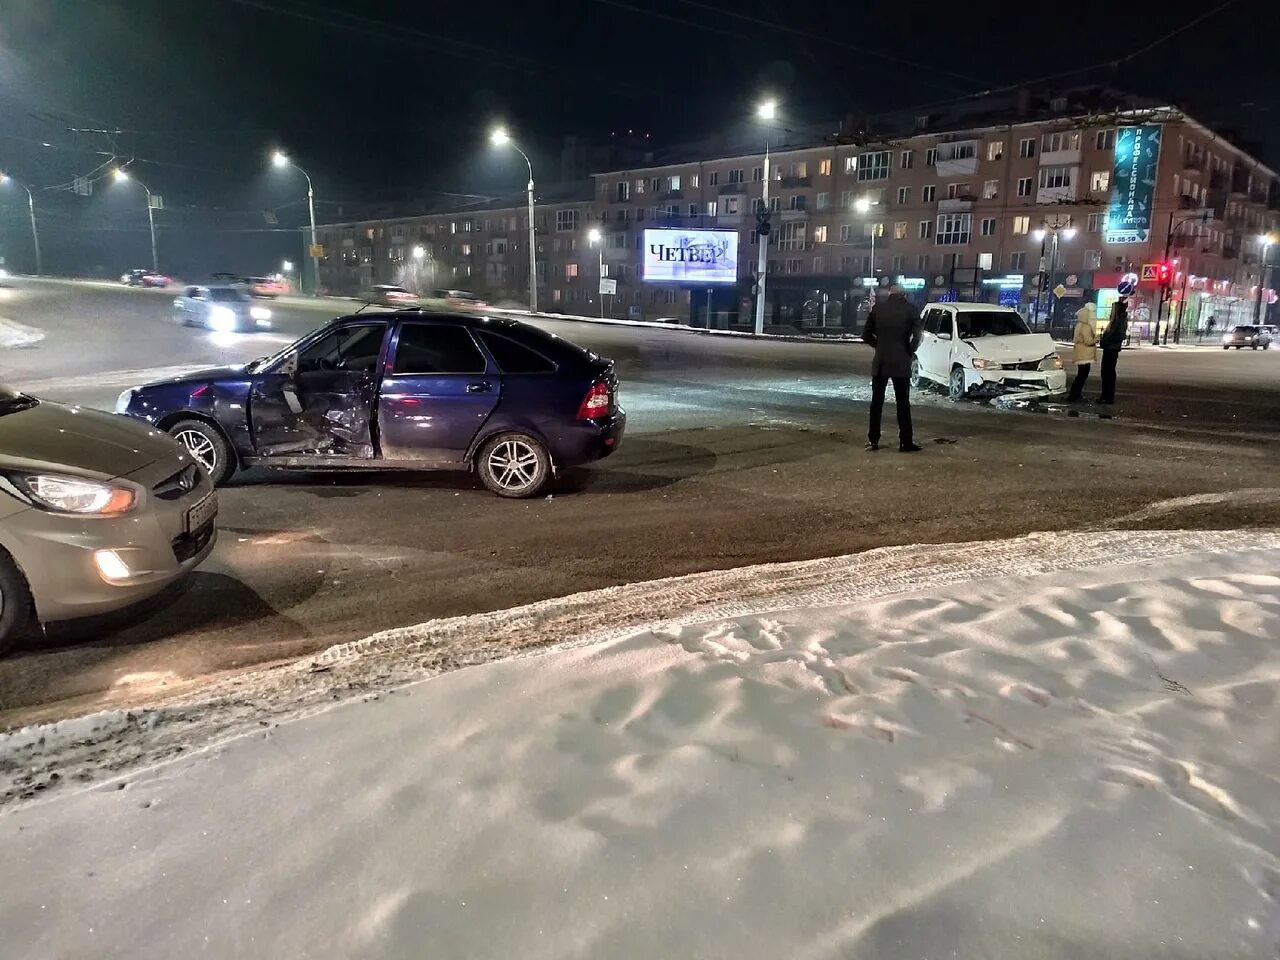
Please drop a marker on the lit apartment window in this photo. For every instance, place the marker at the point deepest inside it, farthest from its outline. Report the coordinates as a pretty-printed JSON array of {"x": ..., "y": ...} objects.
[
  {"x": 873, "y": 229},
  {"x": 926, "y": 229},
  {"x": 1027, "y": 148},
  {"x": 908, "y": 159},
  {"x": 1024, "y": 186},
  {"x": 928, "y": 194},
  {"x": 931, "y": 157},
  {"x": 1018, "y": 261},
  {"x": 1093, "y": 259},
  {"x": 1055, "y": 178},
  {"x": 850, "y": 164},
  {"x": 1100, "y": 181},
  {"x": 465, "y": 249},
  {"x": 988, "y": 226},
  {"x": 820, "y": 234},
  {"x": 639, "y": 187},
  {"x": 1021, "y": 225},
  {"x": 674, "y": 182},
  {"x": 711, "y": 208},
  {"x": 990, "y": 189},
  {"x": 731, "y": 208},
  {"x": 873, "y": 166},
  {"x": 903, "y": 194},
  {"x": 1106, "y": 140},
  {"x": 953, "y": 229},
  {"x": 822, "y": 201},
  {"x": 571, "y": 271},
  {"x": 1063, "y": 140},
  {"x": 995, "y": 150},
  {"x": 453, "y": 226},
  {"x": 985, "y": 260},
  {"x": 1094, "y": 223},
  {"x": 900, "y": 228},
  {"x": 824, "y": 168}
]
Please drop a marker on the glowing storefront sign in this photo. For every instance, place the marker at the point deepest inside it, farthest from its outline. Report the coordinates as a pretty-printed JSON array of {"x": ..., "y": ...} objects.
[{"x": 690, "y": 256}]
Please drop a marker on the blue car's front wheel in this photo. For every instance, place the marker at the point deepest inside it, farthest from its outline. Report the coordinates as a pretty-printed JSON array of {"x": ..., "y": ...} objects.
[
  {"x": 207, "y": 446},
  {"x": 514, "y": 465}
]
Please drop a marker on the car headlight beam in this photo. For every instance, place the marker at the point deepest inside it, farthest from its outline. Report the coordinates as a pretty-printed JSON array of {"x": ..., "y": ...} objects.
[
  {"x": 63, "y": 494},
  {"x": 260, "y": 313},
  {"x": 222, "y": 318},
  {"x": 1051, "y": 362}
]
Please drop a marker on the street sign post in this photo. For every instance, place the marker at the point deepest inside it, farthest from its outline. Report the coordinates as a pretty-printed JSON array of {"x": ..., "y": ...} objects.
[
  {"x": 608, "y": 286},
  {"x": 315, "y": 250}
]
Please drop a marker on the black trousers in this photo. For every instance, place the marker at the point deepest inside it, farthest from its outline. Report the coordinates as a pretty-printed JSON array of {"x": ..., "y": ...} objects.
[
  {"x": 902, "y": 398},
  {"x": 1077, "y": 385},
  {"x": 1109, "y": 360}
]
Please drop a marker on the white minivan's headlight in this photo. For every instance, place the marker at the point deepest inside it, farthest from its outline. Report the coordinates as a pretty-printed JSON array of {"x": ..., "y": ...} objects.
[
  {"x": 260, "y": 313},
  {"x": 62, "y": 494}
]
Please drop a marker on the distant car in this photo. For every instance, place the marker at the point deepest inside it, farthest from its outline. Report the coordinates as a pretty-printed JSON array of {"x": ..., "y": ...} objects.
[
  {"x": 979, "y": 349},
  {"x": 221, "y": 308},
  {"x": 144, "y": 278},
  {"x": 96, "y": 512},
  {"x": 453, "y": 300},
  {"x": 404, "y": 391},
  {"x": 389, "y": 295},
  {"x": 267, "y": 287},
  {"x": 1248, "y": 335}
]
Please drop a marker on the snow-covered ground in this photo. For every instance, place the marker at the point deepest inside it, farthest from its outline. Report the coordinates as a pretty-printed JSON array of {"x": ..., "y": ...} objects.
[
  {"x": 14, "y": 334},
  {"x": 1058, "y": 746}
]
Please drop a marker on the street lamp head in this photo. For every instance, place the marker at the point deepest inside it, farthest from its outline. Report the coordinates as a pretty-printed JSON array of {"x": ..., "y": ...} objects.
[
  {"x": 499, "y": 137},
  {"x": 593, "y": 235},
  {"x": 767, "y": 109},
  {"x": 119, "y": 174},
  {"x": 419, "y": 252},
  {"x": 862, "y": 205},
  {"x": 279, "y": 158},
  {"x": 1266, "y": 239},
  {"x": 287, "y": 266},
  {"x": 1038, "y": 235}
]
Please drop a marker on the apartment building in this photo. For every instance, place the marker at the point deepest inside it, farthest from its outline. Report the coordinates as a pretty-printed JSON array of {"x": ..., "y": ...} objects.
[{"x": 964, "y": 203}]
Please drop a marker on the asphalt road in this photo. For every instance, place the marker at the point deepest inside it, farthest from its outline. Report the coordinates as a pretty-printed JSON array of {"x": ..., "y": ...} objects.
[{"x": 738, "y": 451}]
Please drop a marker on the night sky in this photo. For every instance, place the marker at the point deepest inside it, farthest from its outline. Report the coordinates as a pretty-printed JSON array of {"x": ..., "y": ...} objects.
[{"x": 384, "y": 100}]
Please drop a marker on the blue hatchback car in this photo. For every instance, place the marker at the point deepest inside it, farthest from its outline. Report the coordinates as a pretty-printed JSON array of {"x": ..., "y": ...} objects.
[{"x": 409, "y": 390}]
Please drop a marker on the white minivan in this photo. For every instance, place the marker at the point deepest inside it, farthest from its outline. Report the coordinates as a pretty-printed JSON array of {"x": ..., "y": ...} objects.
[{"x": 979, "y": 349}]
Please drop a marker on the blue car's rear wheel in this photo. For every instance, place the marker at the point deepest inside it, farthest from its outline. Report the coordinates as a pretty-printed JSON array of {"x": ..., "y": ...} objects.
[{"x": 514, "y": 465}]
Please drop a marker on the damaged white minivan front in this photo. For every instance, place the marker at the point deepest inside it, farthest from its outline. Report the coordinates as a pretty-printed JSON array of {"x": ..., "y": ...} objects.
[{"x": 982, "y": 350}]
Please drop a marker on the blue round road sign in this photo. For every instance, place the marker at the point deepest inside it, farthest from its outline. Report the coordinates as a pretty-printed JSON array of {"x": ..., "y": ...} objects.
[{"x": 1127, "y": 285}]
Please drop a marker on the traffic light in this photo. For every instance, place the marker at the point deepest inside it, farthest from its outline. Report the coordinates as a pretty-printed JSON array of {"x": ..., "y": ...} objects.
[{"x": 1164, "y": 273}]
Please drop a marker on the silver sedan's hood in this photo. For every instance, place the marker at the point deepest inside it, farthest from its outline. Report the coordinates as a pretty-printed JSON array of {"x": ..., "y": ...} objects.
[{"x": 50, "y": 436}]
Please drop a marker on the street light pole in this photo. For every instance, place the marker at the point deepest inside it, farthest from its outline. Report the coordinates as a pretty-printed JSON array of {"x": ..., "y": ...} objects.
[
  {"x": 1067, "y": 231},
  {"x": 122, "y": 175},
  {"x": 500, "y": 138},
  {"x": 768, "y": 110},
  {"x": 863, "y": 206},
  {"x": 595, "y": 239},
  {"x": 31, "y": 208},
  {"x": 281, "y": 159},
  {"x": 1265, "y": 241}
]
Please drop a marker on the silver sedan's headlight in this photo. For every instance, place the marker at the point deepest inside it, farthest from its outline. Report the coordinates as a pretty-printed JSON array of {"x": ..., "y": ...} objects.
[
  {"x": 123, "y": 401},
  {"x": 63, "y": 494}
]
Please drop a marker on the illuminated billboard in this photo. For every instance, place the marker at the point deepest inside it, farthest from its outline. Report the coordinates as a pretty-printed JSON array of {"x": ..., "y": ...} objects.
[
  {"x": 1133, "y": 185},
  {"x": 690, "y": 256}
]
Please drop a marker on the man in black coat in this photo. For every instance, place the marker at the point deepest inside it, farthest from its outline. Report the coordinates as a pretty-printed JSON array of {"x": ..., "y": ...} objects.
[{"x": 893, "y": 328}]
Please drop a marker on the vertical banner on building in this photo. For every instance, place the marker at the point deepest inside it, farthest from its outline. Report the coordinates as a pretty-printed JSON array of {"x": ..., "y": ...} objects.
[{"x": 1133, "y": 185}]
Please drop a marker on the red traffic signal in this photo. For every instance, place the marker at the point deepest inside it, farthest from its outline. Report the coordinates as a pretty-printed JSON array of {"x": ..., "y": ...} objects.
[{"x": 1164, "y": 273}]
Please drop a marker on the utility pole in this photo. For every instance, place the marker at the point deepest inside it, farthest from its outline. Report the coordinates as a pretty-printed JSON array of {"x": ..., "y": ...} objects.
[
  {"x": 1265, "y": 241},
  {"x": 31, "y": 209}
]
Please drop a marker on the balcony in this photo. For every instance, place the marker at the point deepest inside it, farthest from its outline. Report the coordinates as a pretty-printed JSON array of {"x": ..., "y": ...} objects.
[
  {"x": 957, "y": 159},
  {"x": 955, "y": 204},
  {"x": 728, "y": 189},
  {"x": 670, "y": 195},
  {"x": 796, "y": 182},
  {"x": 1061, "y": 158},
  {"x": 787, "y": 215}
]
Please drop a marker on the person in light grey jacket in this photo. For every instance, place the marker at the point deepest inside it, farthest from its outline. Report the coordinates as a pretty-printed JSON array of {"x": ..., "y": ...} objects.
[{"x": 893, "y": 328}]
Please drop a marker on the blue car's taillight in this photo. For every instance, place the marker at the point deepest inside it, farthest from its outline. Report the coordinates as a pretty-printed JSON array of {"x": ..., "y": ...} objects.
[{"x": 596, "y": 403}]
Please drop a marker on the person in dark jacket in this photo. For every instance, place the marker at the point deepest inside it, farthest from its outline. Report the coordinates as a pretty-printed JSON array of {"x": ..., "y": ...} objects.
[
  {"x": 893, "y": 328},
  {"x": 1111, "y": 342}
]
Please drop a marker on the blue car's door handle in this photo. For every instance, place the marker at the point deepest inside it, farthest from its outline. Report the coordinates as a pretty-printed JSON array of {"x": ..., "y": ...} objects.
[{"x": 483, "y": 387}]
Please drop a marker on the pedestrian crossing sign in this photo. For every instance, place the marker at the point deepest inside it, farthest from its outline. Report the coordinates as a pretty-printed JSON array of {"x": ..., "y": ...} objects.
[{"x": 1149, "y": 272}]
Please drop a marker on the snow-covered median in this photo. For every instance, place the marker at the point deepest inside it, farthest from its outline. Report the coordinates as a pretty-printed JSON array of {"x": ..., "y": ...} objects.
[{"x": 1058, "y": 746}]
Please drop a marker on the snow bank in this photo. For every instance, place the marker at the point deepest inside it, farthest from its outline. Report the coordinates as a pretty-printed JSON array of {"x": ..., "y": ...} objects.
[
  {"x": 14, "y": 334},
  {"x": 1052, "y": 747}
]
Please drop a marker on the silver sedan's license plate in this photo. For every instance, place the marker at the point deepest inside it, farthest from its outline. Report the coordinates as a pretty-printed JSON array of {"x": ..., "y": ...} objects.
[{"x": 202, "y": 513}]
